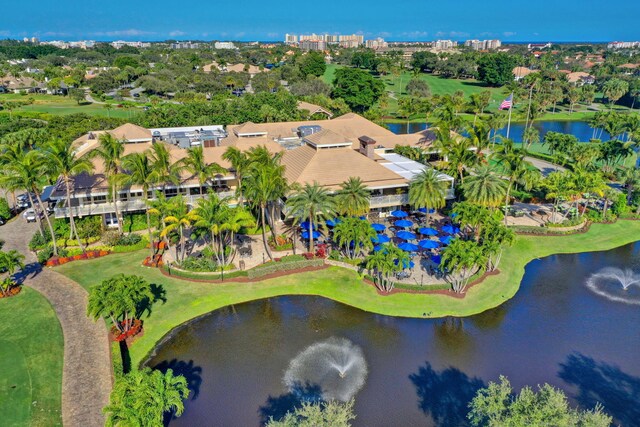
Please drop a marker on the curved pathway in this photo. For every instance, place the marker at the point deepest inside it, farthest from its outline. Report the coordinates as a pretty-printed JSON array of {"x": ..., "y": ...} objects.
[{"x": 86, "y": 375}]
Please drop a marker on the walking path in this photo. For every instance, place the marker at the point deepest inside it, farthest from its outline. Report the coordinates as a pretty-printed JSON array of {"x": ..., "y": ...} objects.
[{"x": 86, "y": 375}]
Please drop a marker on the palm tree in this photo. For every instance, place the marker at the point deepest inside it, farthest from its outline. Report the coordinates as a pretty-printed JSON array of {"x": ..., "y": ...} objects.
[
  {"x": 353, "y": 197},
  {"x": 427, "y": 190},
  {"x": 195, "y": 164},
  {"x": 485, "y": 187},
  {"x": 263, "y": 184},
  {"x": 181, "y": 219},
  {"x": 140, "y": 172},
  {"x": 630, "y": 177},
  {"x": 141, "y": 398},
  {"x": 211, "y": 211},
  {"x": 614, "y": 89},
  {"x": 9, "y": 263},
  {"x": 457, "y": 152},
  {"x": 384, "y": 263},
  {"x": 166, "y": 172},
  {"x": 354, "y": 235},
  {"x": 496, "y": 121},
  {"x": 110, "y": 152},
  {"x": 530, "y": 136},
  {"x": 313, "y": 203},
  {"x": 237, "y": 219},
  {"x": 462, "y": 259},
  {"x": 516, "y": 168},
  {"x": 118, "y": 299},
  {"x": 25, "y": 170},
  {"x": 239, "y": 163},
  {"x": 61, "y": 160}
]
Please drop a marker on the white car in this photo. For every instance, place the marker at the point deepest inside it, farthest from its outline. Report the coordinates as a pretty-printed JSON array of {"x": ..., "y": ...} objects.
[{"x": 30, "y": 215}]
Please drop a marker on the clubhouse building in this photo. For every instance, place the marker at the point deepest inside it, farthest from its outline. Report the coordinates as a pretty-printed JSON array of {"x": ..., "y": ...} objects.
[{"x": 328, "y": 152}]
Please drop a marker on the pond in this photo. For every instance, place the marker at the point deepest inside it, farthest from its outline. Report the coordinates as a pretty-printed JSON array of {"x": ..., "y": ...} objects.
[
  {"x": 581, "y": 130},
  {"x": 564, "y": 326}
]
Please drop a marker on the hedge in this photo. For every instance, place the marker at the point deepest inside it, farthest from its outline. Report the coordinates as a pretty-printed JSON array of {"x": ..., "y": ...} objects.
[
  {"x": 277, "y": 267},
  {"x": 73, "y": 242},
  {"x": 122, "y": 249},
  {"x": 202, "y": 276}
]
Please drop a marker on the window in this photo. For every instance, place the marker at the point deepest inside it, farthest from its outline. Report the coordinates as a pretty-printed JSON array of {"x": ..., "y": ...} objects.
[
  {"x": 110, "y": 220},
  {"x": 99, "y": 199}
]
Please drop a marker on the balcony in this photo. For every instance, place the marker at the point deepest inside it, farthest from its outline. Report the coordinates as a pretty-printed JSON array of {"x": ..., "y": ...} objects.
[
  {"x": 62, "y": 211},
  {"x": 390, "y": 200}
]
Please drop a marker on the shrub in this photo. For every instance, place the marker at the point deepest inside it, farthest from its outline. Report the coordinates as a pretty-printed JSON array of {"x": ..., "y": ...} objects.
[
  {"x": 5, "y": 210},
  {"x": 282, "y": 243},
  {"x": 39, "y": 240},
  {"x": 128, "y": 240},
  {"x": 45, "y": 254},
  {"x": 292, "y": 258},
  {"x": 111, "y": 237},
  {"x": 201, "y": 264},
  {"x": 276, "y": 267},
  {"x": 619, "y": 205},
  {"x": 137, "y": 222}
]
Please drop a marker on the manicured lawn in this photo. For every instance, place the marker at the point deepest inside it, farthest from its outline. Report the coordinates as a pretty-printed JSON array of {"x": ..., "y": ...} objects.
[
  {"x": 61, "y": 105},
  {"x": 186, "y": 300},
  {"x": 31, "y": 356},
  {"x": 330, "y": 71}
]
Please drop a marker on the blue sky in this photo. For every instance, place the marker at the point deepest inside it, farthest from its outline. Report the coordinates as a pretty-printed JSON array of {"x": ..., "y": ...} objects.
[{"x": 541, "y": 20}]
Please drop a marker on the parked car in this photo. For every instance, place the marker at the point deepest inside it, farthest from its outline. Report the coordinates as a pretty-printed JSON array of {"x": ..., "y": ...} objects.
[
  {"x": 30, "y": 215},
  {"x": 22, "y": 201}
]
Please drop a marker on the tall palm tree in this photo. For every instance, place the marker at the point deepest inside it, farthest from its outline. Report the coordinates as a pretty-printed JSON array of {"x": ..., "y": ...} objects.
[
  {"x": 166, "y": 172},
  {"x": 26, "y": 171},
  {"x": 181, "y": 219},
  {"x": 462, "y": 259},
  {"x": 427, "y": 190},
  {"x": 211, "y": 211},
  {"x": 315, "y": 204},
  {"x": 61, "y": 160},
  {"x": 263, "y": 184},
  {"x": 195, "y": 164},
  {"x": 240, "y": 163},
  {"x": 237, "y": 219},
  {"x": 140, "y": 172},
  {"x": 614, "y": 89},
  {"x": 516, "y": 168},
  {"x": 110, "y": 152},
  {"x": 457, "y": 152},
  {"x": 353, "y": 197},
  {"x": 485, "y": 187},
  {"x": 384, "y": 263}
]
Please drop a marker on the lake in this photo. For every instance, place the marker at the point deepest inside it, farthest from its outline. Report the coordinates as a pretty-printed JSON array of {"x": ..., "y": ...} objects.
[
  {"x": 581, "y": 130},
  {"x": 422, "y": 372}
]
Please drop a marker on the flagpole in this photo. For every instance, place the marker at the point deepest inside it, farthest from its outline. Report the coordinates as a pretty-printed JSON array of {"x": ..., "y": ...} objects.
[{"x": 509, "y": 122}]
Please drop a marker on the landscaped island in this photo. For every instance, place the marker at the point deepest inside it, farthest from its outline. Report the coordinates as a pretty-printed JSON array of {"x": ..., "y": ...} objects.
[{"x": 186, "y": 300}]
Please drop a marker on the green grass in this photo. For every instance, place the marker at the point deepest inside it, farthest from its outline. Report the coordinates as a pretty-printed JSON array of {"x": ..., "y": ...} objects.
[
  {"x": 31, "y": 356},
  {"x": 186, "y": 300},
  {"x": 329, "y": 72},
  {"x": 61, "y": 105}
]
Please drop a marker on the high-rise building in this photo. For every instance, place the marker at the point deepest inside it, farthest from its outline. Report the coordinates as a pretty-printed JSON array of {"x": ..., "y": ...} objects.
[
  {"x": 291, "y": 39},
  {"x": 313, "y": 45},
  {"x": 623, "y": 45},
  {"x": 224, "y": 45},
  {"x": 378, "y": 43},
  {"x": 483, "y": 44},
  {"x": 444, "y": 44}
]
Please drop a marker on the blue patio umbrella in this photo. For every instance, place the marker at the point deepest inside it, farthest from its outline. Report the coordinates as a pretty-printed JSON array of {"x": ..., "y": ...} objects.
[
  {"x": 437, "y": 259},
  {"x": 377, "y": 248},
  {"x": 399, "y": 214},
  {"x": 424, "y": 210},
  {"x": 446, "y": 240},
  {"x": 305, "y": 234},
  {"x": 450, "y": 229},
  {"x": 408, "y": 247},
  {"x": 428, "y": 231},
  {"x": 405, "y": 264},
  {"x": 332, "y": 222},
  {"x": 406, "y": 235},
  {"x": 378, "y": 227},
  {"x": 362, "y": 217},
  {"x": 403, "y": 223},
  {"x": 381, "y": 238},
  {"x": 305, "y": 225},
  {"x": 428, "y": 244},
  {"x": 453, "y": 215}
]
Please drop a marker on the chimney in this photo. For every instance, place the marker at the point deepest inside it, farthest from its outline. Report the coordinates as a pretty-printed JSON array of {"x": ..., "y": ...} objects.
[{"x": 366, "y": 146}]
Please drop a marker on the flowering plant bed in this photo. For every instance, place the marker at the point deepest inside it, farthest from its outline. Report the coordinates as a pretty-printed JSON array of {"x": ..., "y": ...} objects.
[
  {"x": 52, "y": 262},
  {"x": 14, "y": 290},
  {"x": 135, "y": 329},
  {"x": 155, "y": 261}
]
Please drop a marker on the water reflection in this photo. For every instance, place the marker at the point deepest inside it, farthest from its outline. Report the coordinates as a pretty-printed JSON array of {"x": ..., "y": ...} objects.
[
  {"x": 605, "y": 384},
  {"x": 445, "y": 395}
]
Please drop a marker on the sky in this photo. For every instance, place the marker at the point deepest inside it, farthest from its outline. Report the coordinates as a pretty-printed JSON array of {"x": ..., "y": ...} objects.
[{"x": 250, "y": 20}]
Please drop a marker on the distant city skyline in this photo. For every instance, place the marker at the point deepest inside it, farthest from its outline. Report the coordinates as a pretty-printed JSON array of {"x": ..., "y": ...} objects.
[{"x": 413, "y": 20}]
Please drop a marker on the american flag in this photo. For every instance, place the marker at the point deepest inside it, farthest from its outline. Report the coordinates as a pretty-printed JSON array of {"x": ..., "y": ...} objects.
[{"x": 507, "y": 103}]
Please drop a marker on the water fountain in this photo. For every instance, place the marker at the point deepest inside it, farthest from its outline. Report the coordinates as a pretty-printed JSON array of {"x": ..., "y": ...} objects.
[
  {"x": 335, "y": 368},
  {"x": 616, "y": 284}
]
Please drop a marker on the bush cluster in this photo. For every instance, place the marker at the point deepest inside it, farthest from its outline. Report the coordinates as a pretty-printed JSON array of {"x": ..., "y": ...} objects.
[{"x": 201, "y": 264}]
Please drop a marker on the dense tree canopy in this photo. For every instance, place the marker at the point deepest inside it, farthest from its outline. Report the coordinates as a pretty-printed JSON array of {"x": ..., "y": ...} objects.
[
  {"x": 496, "y": 69},
  {"x": 357, "y": 87}
]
